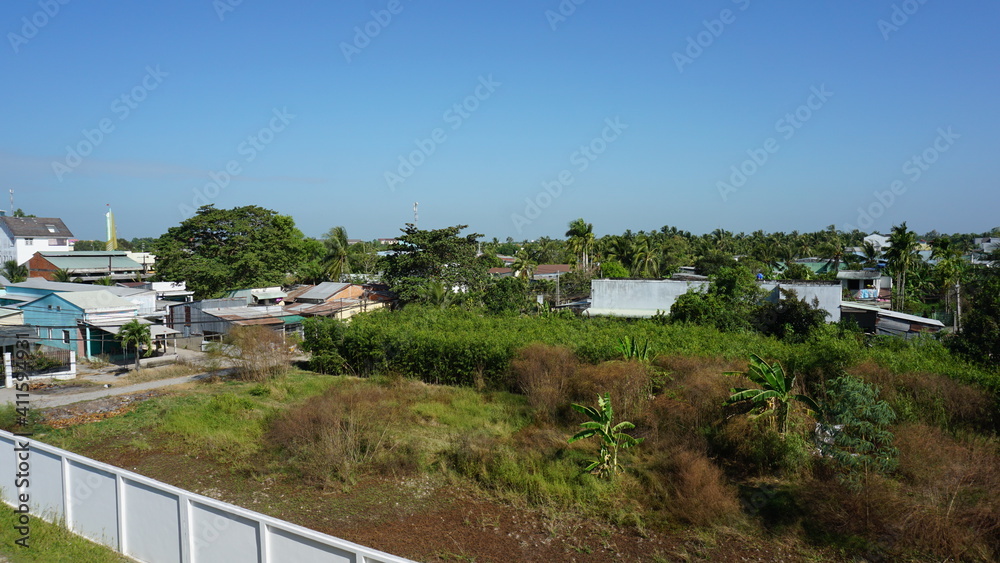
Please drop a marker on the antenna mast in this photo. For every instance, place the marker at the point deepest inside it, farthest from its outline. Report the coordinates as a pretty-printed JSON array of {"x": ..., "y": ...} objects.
[{"x": 415, "y": 204}]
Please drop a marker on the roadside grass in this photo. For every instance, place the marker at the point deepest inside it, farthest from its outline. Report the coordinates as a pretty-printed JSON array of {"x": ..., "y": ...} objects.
[{"x": 50, "y": 542}]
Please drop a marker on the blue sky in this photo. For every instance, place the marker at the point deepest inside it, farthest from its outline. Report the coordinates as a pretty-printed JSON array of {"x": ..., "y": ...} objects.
[{"x": 739, "y": 114}]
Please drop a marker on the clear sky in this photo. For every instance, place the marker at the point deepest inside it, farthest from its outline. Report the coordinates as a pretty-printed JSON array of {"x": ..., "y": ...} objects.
[{"x": 740, "y": 114}]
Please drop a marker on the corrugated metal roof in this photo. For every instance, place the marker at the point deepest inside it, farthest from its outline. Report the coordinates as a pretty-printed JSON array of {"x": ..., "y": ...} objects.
[
  {"x": 89, "y": 300},
  {"x": 893, "y": 314},
  {"x": 323, "y": 291},
  {"x": 97, "y": 300},
  {"x": 59, "y": 287},
  {"x": 91, "y": 260},
  {"x": 42, "y": 227}
]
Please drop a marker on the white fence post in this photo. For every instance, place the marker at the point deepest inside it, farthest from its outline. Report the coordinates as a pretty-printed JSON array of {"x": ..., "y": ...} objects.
[{"x": 8, "y": 369}]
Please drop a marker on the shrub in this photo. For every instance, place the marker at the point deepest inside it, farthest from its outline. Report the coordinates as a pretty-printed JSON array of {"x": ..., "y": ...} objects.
[
  {"x": 257, "y": 352},
  {"x": 333, "y": 437},
  {"x": 543, "y": 373},
  {"x": 697, "y": 492},
  {"x": 629, "y": 383}
]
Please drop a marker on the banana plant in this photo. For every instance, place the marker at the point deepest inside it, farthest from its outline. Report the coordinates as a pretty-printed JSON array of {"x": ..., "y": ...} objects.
[
  {"x": 775, "y": 395},
  {"x": 632, "y": 350},
  {"x": 612, "y": 436}
]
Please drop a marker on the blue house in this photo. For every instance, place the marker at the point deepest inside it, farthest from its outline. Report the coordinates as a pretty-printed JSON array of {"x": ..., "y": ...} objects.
[{"x": 83, "y": 321}]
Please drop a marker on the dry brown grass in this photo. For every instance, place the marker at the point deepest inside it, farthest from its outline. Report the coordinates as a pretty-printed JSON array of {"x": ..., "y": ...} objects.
[
  {"x": 690, "y": 488},
  {"x": 932, "y": 398},
  {"x": 543, "y": 373},
  {"x": 628, "y": 383},
  {"x": 943, "y": 506},
  {"x": 334, "y": 437}
]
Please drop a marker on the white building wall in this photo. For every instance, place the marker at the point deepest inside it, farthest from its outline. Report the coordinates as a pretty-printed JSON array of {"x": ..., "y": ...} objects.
[{"x": 644, "y": 298}]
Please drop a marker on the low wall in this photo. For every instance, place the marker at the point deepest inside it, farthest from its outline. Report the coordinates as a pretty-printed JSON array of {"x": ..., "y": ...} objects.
[{"x": 153, "y": 521}]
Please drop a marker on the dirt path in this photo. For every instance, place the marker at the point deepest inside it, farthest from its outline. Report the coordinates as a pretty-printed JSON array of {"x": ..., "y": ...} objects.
[{"x": 44, "y": 400}]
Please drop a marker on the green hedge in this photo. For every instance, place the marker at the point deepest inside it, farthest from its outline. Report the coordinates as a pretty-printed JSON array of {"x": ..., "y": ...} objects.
[{"x": 456, "y": 346}]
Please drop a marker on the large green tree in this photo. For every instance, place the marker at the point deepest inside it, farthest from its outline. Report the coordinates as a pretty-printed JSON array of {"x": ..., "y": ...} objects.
[
  {"x": 222, "y": 249},
  {"x": 442, "y": 256}
]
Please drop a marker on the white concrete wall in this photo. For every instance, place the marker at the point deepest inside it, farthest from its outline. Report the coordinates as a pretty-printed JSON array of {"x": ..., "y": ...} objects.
[
  {"x": 643, "y": 298},
  {"x": 23, "y": 251},
  {"x": 637, "y": 298},
  {"x": 155, "y": 522}
]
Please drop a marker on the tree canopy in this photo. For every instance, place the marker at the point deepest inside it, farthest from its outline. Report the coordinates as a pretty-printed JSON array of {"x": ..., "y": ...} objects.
[
  {"x": 221, "y": 249},
  {"x": 441, "y": 255}
]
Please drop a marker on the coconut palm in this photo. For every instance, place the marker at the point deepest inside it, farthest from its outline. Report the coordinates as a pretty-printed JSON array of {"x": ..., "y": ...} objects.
[
  {"x": 647, "y": 259},
  {"x": 581, "y": 241},
  {"x": 337, "y": 260},
  {"x": 523, "y": 265},
  {"x": 872, "y": 255},
  {"x": 902, "y": 256},
  {"x": 14, "y": 272},
  {"x": 775, "y": 395},
  {"x": 134, "y": 333}
]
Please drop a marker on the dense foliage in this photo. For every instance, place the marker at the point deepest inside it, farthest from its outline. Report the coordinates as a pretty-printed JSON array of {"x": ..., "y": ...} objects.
[
  {"x": 442, "y": 256},
  {"x": 223, "y": 249}
]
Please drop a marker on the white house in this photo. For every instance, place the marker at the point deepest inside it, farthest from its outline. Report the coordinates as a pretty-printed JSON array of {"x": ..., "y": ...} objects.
[
  {"x": 22, "y": 237},
  {"x": 880, "y": 242}
]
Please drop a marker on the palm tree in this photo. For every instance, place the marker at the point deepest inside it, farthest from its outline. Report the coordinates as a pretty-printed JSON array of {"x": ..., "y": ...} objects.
[
  {"x": 523, "y": 265},
  {"x": 106, "y": 280},
  {"x": 14, "y": 272},
  {"x": 581, "y": 241},
  {"x": 337, "y": 261},
  {"x": 137, "y": 334},
  {"x": 774, "y": 396},
  {"x": 647, "y": 263},
  {"x": 872, "y": 255},
  {"x": 62, "y": 275},
  {"x": 901, "y": 255},
  {"x": 950, "y": 269},
  {"x": 437, "y": 294}
]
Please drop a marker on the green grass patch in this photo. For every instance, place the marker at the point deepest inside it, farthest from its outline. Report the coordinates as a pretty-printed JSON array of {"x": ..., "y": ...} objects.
[{"x": 50, "y": 542}]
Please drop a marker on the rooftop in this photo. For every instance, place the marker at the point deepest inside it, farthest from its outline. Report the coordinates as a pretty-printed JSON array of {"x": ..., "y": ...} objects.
[{"x": 42, "y": 227}]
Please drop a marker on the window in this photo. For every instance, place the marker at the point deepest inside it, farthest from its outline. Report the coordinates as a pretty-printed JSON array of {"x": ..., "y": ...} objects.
[
  {"x": 29, "y": 242},
  {"x": 51, "y": 228},
  {"x": 65, "y": 337}
]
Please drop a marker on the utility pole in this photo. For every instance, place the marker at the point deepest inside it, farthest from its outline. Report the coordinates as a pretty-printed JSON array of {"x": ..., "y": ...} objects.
[{"x": 415, "y": 204}]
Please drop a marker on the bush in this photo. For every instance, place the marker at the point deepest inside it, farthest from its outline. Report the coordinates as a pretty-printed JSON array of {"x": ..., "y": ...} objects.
[
  {"x": 696, "y": 491},
  {"x": 543, "y": 373},
  {"x": 257, "y": 352},
  {"x": 628, "y": 383},
  {"x": 334, "y": 437}
]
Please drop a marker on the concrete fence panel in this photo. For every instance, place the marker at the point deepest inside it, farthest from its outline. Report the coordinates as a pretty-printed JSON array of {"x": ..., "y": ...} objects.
[{"x": 156, "y": 522}]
